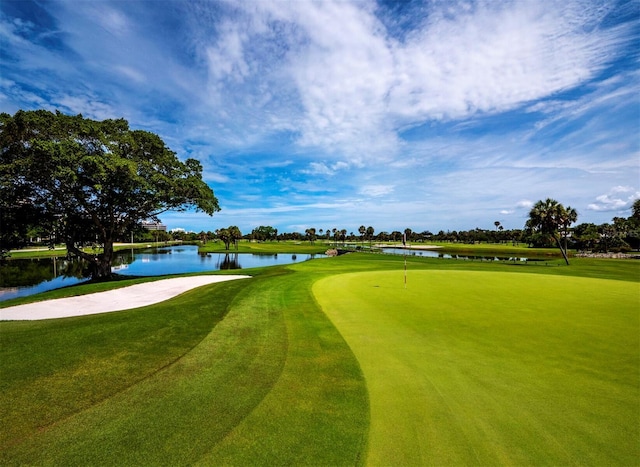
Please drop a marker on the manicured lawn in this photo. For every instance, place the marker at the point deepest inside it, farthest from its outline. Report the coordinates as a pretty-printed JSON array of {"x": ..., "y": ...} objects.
[
  {"x": 254, "y": 372},
  {"x": 491, "y": 368},
  {"x": 498, "y": 249},
  {"x": 269, "y": 247},
  {"x": 171, "y": 384},
  {"x": 61, "y": 250}
]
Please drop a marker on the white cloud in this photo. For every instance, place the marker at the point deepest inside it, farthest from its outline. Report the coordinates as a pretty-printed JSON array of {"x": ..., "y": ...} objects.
[
  {"x": 318, "y": 168},
  {"x": 356, "y": 85},
  {"x": 291, "y": 95},
  {"x": 619, "y": 198},
  {"x": 131, "y": 73},
  {"x": 524, "y": 204},
  {"x": 87, "y": 105},
  {"x": 322, "y": 168},
  {"x": 226, "y": 57},
  {"x": 376, "y": 190},
  {"x": 215, "y": 177},
  {"x": 623, "y": 189},
  {"x": 112, "y": 20},
  {"x": 497, "y": 55}
]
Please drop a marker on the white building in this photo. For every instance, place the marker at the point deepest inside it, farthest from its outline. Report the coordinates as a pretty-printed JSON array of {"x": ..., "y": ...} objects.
[{"x": 154, "y": 226}]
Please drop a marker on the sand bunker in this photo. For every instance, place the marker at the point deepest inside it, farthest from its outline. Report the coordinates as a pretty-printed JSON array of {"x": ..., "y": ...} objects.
[{"x": 124, "y": 298}]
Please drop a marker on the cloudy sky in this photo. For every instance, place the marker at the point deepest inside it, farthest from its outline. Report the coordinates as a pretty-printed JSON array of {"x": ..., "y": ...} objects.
[{"x": 423, "y": 114}]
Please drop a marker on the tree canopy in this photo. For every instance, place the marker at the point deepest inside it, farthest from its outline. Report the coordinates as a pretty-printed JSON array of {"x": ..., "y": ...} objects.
[
  {"x": 229, "y": 235},
  {"x": 550, "y": 219},
  {"x": 264, "y": 232},
  {"x": 89, "y": 181}
]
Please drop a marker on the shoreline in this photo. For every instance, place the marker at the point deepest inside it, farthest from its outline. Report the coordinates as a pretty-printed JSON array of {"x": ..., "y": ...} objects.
[{"x": 408, "y": 247}]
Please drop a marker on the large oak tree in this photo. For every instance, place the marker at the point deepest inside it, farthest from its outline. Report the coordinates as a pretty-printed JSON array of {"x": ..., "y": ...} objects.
[{"x": 89, "y": 181}]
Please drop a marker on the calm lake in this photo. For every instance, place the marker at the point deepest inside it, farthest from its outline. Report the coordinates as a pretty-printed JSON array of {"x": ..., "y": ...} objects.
[{"x": 23, "y": 277}]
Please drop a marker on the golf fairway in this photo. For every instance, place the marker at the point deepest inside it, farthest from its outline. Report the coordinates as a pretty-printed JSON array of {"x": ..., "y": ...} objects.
[{"x": 486, "y": 368}]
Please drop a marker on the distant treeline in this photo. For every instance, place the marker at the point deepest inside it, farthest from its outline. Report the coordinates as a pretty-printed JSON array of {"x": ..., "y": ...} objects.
[{"x": 622, "y": 234}]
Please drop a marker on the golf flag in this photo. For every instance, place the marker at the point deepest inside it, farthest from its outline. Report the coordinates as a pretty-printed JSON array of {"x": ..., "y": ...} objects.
[{"x": 404, "y": 244}]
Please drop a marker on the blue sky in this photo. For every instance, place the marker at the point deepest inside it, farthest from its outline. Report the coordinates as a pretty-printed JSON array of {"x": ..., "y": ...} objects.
[{"x": 432, "y": 115}]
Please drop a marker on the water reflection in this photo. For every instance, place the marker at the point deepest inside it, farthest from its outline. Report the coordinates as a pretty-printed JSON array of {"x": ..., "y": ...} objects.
[
  {"x": 23, "y": 277},
  {"x": 438, "y": 254},
  {"x": 229, "y": 262}
]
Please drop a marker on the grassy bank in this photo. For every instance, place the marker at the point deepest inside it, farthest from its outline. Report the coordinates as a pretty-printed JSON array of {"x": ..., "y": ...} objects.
[
  {"x": 497, "y": 249},
  {"x": 245, "y": 246},
  {"x": 273, "y": 382},
  {"x": 61, "y": 250},
  {"x": 254, "y": 372}
]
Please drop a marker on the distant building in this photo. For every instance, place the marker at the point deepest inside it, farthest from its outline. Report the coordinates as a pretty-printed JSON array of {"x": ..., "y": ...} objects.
[{"x": 154, "y": 226}]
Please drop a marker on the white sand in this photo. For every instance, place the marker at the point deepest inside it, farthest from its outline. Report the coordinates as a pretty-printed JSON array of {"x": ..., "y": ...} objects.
[{"x": 120, "y": 299}]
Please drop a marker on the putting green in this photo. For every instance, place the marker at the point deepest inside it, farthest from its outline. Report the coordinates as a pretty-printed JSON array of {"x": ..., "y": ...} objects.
[{"x": 493, "y": 368}]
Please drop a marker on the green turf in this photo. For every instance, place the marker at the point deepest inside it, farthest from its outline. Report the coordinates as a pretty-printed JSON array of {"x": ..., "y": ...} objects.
[
  {"x": 245, "y": 246},
  {"x": 61, "y": 250},
  {"x": 271, "y": 383},
  {"x": 468, "y": 367},
  {"x": 254, "y": 373},
  {"x": 54, "y": 369},
  {"x": 498, "y": 249}
]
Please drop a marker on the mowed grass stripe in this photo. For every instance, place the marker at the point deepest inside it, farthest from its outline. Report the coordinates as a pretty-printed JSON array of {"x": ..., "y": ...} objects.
[
  {"x": 467, "y": 367},
  {"x": 317, "y": 412},
  {"x": 53, "y": 369},
  {"x": 273, "y": 382},
  {"x": 314, "y": 411},
  {"x": 174, "y": 416}
]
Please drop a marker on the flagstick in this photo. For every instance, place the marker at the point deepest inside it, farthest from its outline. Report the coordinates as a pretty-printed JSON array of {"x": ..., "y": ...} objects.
[
  {"x": 404, "y": 244},
  {"x": 405, "y": 270}
]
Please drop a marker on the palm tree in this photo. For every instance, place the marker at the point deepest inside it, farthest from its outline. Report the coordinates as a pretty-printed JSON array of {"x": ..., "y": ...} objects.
[
  {"x": 235, "y": 234},
  {"x": 370, "y": 230},
  {"x": 548, "y": 218},
  {"x": 497, "y": 224},
  {"x": 225, "y": 236},
  {"x": 407, "y": 234},
  {"x": 311, "y": 233},
  {"x": 363, "y": 230},
  {"x": 570, "y": 217}
]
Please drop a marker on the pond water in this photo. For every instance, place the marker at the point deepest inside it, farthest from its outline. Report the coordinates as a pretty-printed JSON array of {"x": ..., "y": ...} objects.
[
  {"x": 439, "y": 254},
  {"x": 23, "y": 277}
]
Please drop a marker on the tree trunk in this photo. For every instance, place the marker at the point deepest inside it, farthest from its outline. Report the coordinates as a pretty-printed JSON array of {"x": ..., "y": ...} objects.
[
  {"x": 99, "y": 265},
  {"x": 103, "y": 264},
  {"x": 562, "y": 250},
  {"x": 101, "y": 269}
]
